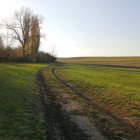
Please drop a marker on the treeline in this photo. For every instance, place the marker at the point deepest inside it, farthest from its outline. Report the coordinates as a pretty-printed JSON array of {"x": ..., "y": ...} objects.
[
  {"x": 8, "y": 54},
  {"x": 24, "y": 30}
]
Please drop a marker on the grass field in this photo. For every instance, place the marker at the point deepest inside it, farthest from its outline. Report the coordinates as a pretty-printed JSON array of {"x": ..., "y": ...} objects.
[
  {"x": 103, "y": 93},
  {"x": 109, "y": 95},
  {"x": 18, "y": 115},
  {"x": 118, "y": 88},
  {"x": 117, "y": 61}
]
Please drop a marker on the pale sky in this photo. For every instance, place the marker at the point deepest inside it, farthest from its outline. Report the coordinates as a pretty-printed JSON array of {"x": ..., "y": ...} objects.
[{"x": 85, "y": 27}]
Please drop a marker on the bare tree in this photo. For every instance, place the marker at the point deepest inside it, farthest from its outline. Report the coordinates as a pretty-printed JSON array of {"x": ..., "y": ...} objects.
[{"x": 24, "y": 27}]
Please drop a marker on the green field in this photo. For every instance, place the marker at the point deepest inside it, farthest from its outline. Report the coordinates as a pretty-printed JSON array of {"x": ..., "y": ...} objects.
[
  {"x": 112, "y": 90},
  {"x": 109, "y": 95},
  {"x": 117, "y": 61},
  {"x": 116, "y": 87},
  {"x": 18, "y": 114}
]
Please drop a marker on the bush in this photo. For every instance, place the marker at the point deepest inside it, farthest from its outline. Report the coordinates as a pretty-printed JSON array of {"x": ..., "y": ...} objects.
[
  {"x": 8, "y": 54},
  {"x": 45, "y": 57}
]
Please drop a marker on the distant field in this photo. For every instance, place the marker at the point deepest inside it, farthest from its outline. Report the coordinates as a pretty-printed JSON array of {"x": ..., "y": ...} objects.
[
  {"x": 18, "y": 115},
  {"x": 118, "y": 61}
]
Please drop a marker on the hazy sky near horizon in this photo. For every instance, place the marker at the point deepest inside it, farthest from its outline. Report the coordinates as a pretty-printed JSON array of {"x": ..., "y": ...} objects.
[{"x": 85, "y": 27}]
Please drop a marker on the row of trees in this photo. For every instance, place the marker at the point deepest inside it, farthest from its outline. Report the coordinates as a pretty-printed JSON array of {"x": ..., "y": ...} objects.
[{"x": 23, "y": 29}]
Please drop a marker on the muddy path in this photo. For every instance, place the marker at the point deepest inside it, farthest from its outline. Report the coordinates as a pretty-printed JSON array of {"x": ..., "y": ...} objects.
[
  {"x": 58, "y": 122},
  {"x": 81, "y": 95},
  {"x": 132, "y": 134}
]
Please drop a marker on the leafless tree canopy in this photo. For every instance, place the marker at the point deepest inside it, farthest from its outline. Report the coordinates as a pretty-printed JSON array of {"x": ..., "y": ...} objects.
[
  {"x": 24, "y": 27},
  {"x": 23, "y": 31}
]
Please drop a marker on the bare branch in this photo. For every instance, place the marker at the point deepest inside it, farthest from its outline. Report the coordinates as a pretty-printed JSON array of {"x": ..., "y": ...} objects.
[{"x": 25, "y": 28}]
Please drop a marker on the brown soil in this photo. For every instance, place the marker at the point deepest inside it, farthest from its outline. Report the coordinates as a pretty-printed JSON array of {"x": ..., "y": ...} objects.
[
  {"x": 62, "y": 117},
  {"x": 127, "y": 124}
]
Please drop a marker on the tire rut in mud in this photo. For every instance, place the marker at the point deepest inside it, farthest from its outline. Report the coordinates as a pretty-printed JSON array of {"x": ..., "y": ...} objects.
[
  {"x": 130, "y": 129},
  {"x": 57, "y": 123}
]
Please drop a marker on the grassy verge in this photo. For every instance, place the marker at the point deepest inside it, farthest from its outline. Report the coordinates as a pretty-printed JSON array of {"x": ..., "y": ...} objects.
[{"x": 18, "y": 115}]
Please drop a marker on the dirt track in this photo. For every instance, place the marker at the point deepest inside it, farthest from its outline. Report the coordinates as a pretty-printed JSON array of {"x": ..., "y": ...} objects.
[
  {"x": 58, "y": 117},
  {"x": 90, "y": 102},
  {"x": 65, "y": 119},
  {"x": 132, "y": 131}
]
